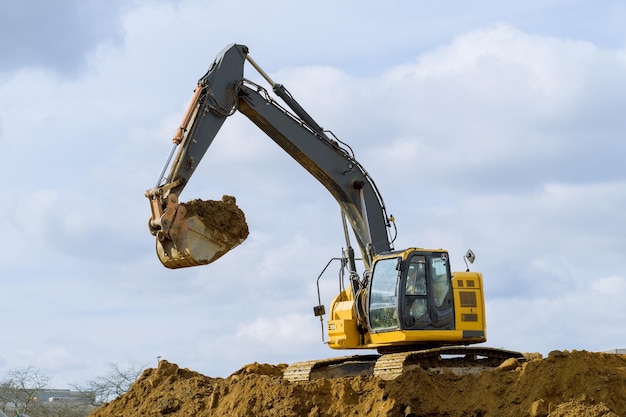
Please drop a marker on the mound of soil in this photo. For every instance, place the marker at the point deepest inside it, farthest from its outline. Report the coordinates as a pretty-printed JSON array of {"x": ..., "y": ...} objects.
[
  {"x": 576, "y": 383},
  {"x": 224, "y": 216}
]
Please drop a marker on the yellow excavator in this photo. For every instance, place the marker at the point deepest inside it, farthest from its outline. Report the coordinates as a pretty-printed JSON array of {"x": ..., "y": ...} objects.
[{"x": 407, "y": 304}]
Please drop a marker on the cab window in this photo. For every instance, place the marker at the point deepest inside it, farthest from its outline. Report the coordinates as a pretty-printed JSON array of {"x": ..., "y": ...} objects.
[
  {"x": 415, "y": 303},
  {"x": 416, "y": 276},
  {"x": 441, "y": 281}
]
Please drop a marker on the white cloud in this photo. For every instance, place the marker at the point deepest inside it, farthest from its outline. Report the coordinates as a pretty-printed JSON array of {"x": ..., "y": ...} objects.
[{"x": 582, "y": 316}]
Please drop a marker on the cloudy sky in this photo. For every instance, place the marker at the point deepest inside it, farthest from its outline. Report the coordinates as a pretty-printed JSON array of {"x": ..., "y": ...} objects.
[{"x": 492, "y": 125}]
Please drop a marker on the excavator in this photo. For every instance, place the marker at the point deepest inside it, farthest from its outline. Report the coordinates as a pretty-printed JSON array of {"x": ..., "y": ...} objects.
[{"x": 406, "y": 304}]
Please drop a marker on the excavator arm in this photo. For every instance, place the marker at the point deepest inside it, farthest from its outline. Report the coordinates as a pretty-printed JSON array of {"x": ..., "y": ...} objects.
[
  {"x": 409, "y": 305},
  {"x": 222, "y": 91}
]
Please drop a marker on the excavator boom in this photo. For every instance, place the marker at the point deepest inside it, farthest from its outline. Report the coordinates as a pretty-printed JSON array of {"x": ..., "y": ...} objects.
[{"x": 220, "y": 92}]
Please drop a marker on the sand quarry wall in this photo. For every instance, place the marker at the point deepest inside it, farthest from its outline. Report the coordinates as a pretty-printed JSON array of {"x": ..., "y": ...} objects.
[{"x": 576, "y": 383}]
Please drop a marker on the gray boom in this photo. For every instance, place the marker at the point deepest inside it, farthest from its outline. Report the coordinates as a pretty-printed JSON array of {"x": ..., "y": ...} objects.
[{"x": 224, "y": 90}]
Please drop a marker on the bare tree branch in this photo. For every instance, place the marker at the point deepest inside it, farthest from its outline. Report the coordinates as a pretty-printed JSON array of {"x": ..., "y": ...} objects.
[
  {"x": 19, "y": 390},
  {"x": 115, "y": 383}
]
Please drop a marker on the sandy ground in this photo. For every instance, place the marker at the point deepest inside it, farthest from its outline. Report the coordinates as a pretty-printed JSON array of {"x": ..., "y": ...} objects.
[{"x": 576, "y": 383}]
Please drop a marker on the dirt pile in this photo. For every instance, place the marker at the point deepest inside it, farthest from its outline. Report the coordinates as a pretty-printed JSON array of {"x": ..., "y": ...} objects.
[
  {"x": 565, "y": 383},
  {"x": 222, "y": 216}
]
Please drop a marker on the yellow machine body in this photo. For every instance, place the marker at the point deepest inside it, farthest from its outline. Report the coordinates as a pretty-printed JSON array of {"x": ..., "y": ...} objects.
[{"x": 454, "y": 318}]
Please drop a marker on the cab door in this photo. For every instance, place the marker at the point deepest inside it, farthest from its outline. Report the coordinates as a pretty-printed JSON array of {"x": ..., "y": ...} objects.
[{"x": 426, "y": 292}]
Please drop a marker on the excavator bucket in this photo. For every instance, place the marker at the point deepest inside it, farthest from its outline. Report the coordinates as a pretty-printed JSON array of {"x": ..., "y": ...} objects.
[{"x": 201, "y": 232}]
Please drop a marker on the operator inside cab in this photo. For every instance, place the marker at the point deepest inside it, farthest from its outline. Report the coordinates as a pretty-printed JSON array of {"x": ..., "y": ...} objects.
[{"x": 416, "y": 285}]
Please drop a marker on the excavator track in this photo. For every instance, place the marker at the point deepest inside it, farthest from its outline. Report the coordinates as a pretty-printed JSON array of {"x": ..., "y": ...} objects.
[
  {"x": 331, "y": 368},
  {"x": 459, "y": 360}
]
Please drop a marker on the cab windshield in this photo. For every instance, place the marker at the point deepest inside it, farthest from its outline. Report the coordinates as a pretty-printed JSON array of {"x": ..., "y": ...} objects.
[{"x": 384, "y": 295}]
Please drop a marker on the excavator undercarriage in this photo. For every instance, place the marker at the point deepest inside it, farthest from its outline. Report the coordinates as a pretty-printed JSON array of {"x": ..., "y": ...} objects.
[{"x": 458, "y": 360}]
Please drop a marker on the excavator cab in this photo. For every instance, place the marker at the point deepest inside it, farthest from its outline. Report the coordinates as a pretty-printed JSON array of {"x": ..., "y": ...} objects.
[
  {"x": 411, "y": 294},
  {"x": 412, "y": 299}
]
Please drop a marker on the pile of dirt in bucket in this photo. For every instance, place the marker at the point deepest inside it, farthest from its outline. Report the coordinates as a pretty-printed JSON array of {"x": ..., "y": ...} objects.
[
  {"x": 223, "y": 216},
  {"x": 576, "y": 383},
  {"x": 202, "y": 232}
]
